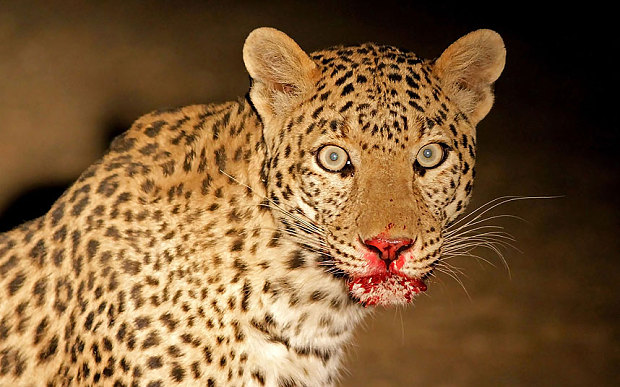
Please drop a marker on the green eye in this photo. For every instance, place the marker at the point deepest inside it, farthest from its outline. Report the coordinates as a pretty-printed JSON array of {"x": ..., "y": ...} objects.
[
  {"x": 332, "y": 157},
  {"x": 430, "y": 155}
]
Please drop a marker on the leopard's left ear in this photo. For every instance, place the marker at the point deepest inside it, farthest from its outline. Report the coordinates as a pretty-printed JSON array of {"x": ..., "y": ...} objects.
[
  {"x": 467, "y": 70},
  {"x": 281, "y": 72}
]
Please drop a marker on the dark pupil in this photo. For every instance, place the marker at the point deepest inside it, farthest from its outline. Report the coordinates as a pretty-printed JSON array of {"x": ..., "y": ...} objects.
[
  {"x": 333, "y": 156},
  {"x": 427, "y": 153}
]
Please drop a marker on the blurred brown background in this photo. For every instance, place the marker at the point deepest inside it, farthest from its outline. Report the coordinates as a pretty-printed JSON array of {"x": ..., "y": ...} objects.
[{"x": 74, "y": 74}]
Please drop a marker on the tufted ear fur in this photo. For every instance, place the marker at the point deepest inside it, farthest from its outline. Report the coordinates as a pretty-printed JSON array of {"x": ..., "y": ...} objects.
[
  {"x": 468, "y": 68},
  {"x": 281, "y": 72}
]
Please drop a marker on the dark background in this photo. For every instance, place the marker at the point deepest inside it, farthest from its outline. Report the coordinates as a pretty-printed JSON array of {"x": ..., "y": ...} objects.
[{"x": 74, "y": 74}]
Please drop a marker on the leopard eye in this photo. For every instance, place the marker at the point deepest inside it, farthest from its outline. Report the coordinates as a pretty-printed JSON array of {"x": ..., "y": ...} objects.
[
  {"x": 333, "y": 158},
  {"x": 430, "y": 155}
]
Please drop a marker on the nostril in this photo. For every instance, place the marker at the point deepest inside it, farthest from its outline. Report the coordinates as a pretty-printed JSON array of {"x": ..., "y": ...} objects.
[
  {"x": 388, "y": 249},
  {"x": 373, "y": 248}
]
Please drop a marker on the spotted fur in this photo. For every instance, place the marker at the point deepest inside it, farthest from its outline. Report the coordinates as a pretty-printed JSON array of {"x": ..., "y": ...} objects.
[{"x": 209, "y": 246}]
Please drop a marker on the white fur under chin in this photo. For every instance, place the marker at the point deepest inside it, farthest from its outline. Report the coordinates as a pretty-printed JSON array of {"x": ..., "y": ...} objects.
[{"x": 392, "y": 290}]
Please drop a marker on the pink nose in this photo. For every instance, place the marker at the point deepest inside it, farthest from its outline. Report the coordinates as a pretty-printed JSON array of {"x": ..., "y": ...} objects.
[{"x": 389, "y": 249}]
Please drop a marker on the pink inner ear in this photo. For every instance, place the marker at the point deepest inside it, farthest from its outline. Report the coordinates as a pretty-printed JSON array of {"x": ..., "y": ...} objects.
[{"x": 287, "y": 88}]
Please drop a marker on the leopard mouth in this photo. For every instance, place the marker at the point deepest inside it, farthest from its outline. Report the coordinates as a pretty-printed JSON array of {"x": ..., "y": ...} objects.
[
  {"x": 378, "y": 282},
  {"x": 386, "y": 288}
]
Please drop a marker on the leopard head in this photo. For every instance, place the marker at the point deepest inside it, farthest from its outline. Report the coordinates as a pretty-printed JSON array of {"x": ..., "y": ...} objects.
[{"x": 371, "y": 151}]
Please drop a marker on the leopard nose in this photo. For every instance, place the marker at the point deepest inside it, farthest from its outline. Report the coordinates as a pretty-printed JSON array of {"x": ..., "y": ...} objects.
[{"x": 388, "y": 249}]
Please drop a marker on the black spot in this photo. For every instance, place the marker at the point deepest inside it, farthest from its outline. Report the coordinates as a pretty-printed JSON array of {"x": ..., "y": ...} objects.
[
  {"x": 346, "y": 107},
  {"x": 148, "y": 149},
  {"x": 16, "y": 283},
  {"x": 79, "y": 207},
  {"x": 85, "y": 369},
  {"x": 108, "y": 186},
  {"x": 220, "y": 158},
  {"x": 452, "y": 129},
  {"x": 92, "y": 248},
  {"x": 147, "y": 186},
  {"x": 347, "y": 90},
  {"x": 247, "y": 291},
  {"x": 8, "y": 265},
  {"x": 177, "y": 373},
  {"x": 120, "y": 335},
  {"x": 195, "y": 370},
  {"x": 468, "y": 187},
  {"x": 77, "y": 265},
  {"x": 131, "y": 266},
  {"x": 189, "y": 158},
  {"x": 40, "y": 330},
  {"x": 89, "y": 321},
  {"x": 141, "y": 323},
  {"x": 317, "y": 295},
  {"x": 75, "y": 240},
  {"x": 50, "y": 350},
  {"x": 57, "y": 213},
  {"x": 394, "y": 77},
  {"x": 124, "y": 365},
  {"x": 258, "y": 375},
  {"x": 136, "y": 296},
  {"x": 107, "y": 344},
  {"x": 122, "y": 143},
  {"x": 206, "y": 184},
  {"x": 113, "y": 233},
  {"x": 154, "y": 362},
  {"x": 154, "y": 128},
  {"x": 342, "y": 79},
  {"x": 411, "y": 82},
  {"x": 237, "y": 245},
  {"x": 151, "y": 340},
  {"x": 168, "y": 320},
  {"x": 318, "y": 111},
  {"x": 459, "y": 205},
  {"x": 39, "y": 290},
  {"x": 208, "y": 354},
  {"x": 416, "y": 106},
  {"x": 465, "y": 167},
  {"x": 109, "y": 369},
  {"x": 240, "y": 265},
  {"x": 168, "y": 168},
  {"x": 39, "y": 253},
  {"x": 296, "y": 260}
]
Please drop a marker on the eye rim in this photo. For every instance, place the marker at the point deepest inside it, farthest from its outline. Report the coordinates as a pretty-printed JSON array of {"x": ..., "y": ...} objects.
[
  {"x": 321, "y": 163},
  {"x": 444, "y": 155}
]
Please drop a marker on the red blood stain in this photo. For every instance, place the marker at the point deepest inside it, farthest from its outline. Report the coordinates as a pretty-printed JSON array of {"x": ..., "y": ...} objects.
[
  {"x": 373, "y": 289},
  {"x": 398, "y": 264},
  {"x": 374, "y": 263}
]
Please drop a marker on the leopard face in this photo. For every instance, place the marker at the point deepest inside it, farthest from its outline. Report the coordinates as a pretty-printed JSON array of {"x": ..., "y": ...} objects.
[{"x": 371, "y": 152}]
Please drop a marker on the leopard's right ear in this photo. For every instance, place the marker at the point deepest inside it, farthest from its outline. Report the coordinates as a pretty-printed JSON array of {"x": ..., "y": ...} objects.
[
  {"x": 468, "y": 68},
  {"x": 282, "y": 73}
]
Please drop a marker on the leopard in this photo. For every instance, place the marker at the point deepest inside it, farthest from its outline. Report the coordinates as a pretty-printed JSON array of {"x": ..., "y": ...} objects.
[{"x": 244, "y": 243}]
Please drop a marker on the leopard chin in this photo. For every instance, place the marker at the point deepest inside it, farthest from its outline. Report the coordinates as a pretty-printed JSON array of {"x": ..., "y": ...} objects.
[{"x": 386, "y": 289}]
